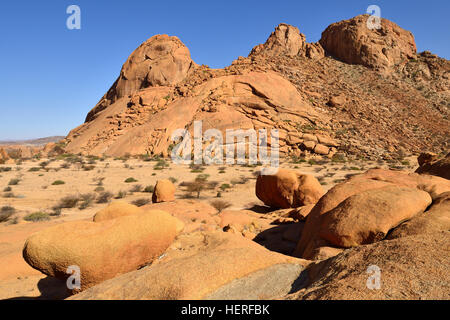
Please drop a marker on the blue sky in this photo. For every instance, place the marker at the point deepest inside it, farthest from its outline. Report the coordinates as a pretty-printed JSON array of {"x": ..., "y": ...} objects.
[{"x": 51, "y": 76}]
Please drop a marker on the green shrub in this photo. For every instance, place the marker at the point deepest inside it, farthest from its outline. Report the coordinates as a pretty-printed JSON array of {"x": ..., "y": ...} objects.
[
  {"x": 37, "y": 216},
  {"x": 34, "y": 169},
  {"x": 58, "y": 182},
  {"x": 136, "y": 188},
  {"x": 149, "y": 189},
  {"x": 121, "y": 194},
  {"x": 130, "y": 180},
  {"x": 7, "y": 189}
]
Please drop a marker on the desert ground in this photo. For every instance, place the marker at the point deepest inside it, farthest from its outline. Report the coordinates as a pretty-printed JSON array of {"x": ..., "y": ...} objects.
[{"x": 35, "y": 193}]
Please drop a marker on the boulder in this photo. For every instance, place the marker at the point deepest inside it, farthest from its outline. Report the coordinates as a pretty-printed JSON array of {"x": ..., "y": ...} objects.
[
  {"x": 434, "y": 166},
  {"x": 435, "y": 219},
  {"x": 351, "y": 41},
  {"x": 368, "y": 216},
  {"x": 164, "y": 191},
  {"x": 288, "y": 189},
  {"x": 370, "y": 180},
  {"x": 206, "y": 265},
  {"x": 116, "y": 209},
  {"x": 102, "y": 250},
  {"x": 409, "y": 268}
]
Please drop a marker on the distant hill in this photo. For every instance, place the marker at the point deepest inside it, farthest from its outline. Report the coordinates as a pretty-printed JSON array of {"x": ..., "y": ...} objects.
[{"x": 33, "y": 142}]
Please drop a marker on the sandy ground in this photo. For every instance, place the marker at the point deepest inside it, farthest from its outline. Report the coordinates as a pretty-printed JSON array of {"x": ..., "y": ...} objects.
[{"x": 35, "y": 193}]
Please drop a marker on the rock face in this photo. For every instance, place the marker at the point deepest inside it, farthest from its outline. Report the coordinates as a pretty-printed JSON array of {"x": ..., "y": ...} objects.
[
  {"x": 144, "y": 123},
  {"x": 435, "y": 219},
  {"x": 353, "y": 42},
  {"x": 288, "y": 189},
  {"x": 411, "y": 268},
  {"x": 368, "y": 216},
  {"x": 436, "y": 167},
  {"x": 115, "y": 210},
  {"x": 3, "y": 155},
  {"x": 160, "y": 61},
  {"x": 336, "y": 205},
  {"x": 213, "y": 265},
  {"x": 102, "y": 250},
  {"x": 287, "y": 40},
  {"x": 164, "y": 191}
]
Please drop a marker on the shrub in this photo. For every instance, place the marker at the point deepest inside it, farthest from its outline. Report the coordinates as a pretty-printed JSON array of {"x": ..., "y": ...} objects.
[
  {"x": 5, "y": 169},
  {"x": 65, "y": 165},
  {"x": 121, "y": 194},
  {"x": 99, "y": 189},
  {"x": 130, "y": 180},
  {"x": 37, "y": 216},
  {"x": 173, "y": 180},
  {"x": 141, "y": 202},
  {"x": 220, "y": 205},
  {"x": 136, "y": 188},
  {"x": 70, "y": 201},
  {"x": 58, "y": 182},
  {"x": 14, "y": 182},
  {"x": 149, "y": 189},
  {"x": 34, "y": 169},
  {"x": 7, "y": 189},
  {"x": 88, "y": 168},
  {"x": 225, "y": 186},
  {"x": 104, "y": 197},
  {"x": 6, "y": 212},
  {"x": 86, "y": 200},
  {"x": 9, "y": 195}
]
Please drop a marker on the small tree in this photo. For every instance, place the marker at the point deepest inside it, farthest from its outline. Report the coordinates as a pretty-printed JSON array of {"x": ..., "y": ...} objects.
[{"x": 220, "y": 205}]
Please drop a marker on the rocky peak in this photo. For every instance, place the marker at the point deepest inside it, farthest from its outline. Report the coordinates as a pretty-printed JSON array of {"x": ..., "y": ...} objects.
[
  {"x": 162, "y": 60},
  {"x": 351, "y": 41}
]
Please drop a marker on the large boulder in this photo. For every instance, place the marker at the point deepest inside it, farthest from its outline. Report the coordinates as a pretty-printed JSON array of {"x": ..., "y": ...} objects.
[
  {"x": 116, "y": 209},
  {"x": 435, "y": 219},
  {"x": 206, "y": 265},
  {"x": 288, "y": 189},
  {"x": 353, "y": 42},
  {"x": 368, "y": 216},
  {"x": 371, "y": 180},
  {"x": 164, "y": 191},
  {"x": 435, "y": 166},
  {"x": 409, "y": 268},
  {"x": 101, "y": 250}
]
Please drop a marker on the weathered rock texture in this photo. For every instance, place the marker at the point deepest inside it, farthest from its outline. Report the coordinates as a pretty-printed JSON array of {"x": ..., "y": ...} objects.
[
  {"x": 288, "y": 189},
  {"x": 436, "y": 167},
  {"x": 217, "y": 265},
  {"x": 102, "y": 250}
]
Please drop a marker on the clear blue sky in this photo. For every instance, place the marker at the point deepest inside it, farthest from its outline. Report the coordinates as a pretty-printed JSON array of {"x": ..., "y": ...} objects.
[{"x": 51, "y": 76}]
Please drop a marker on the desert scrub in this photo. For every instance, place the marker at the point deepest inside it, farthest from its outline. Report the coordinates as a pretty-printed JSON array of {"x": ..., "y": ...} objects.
[
  {"x": 34, "y": 169},
  {"x": 9, "y": 195},
  {"x": 37, "y": 216},
  {"x": 6, "y": 212},
  {"x": 13, "y": 182},
  {"x": 121, "y": 194},
  {"x": 70, "y": 201},
  {"x": 99, "y": 189},
  {"x": 220, "y": 205},
  {"x": 86, "y": 200},
  {"x": 58, "y": 183},
  {"x": 149, "y": 189},
  {"x": 173, "y": 180},
  {"x": 5, "y": 169},
  {"x": 104, "y": 197},
  {"x": 225, "y": 186},
  {"x": 7, "y": 189},
  {"x": 141, "y": 202},
  {"x": 136, "y": 188},
  {"x": 130, "y": 180}
]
